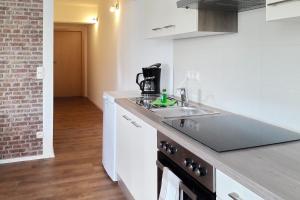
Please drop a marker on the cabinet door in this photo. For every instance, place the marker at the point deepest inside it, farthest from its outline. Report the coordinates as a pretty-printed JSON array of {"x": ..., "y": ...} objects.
[
  {"x": 144, "y": 183},
  {"x": 136, "y": 149},
  {"x": 149, "y": 155},
  {"x": 155, "y": 17},
  {"x": 164, "y": 19},
  {"x": 228, "y": 189},
  {"x": 282, "y": 9},
  {"x": 125, "y": 157},
  {"x": 186, "y": 20}
]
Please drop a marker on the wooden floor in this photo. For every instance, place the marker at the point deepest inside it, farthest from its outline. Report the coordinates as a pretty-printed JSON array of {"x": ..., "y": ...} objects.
[{"x": 76, "y": 172}]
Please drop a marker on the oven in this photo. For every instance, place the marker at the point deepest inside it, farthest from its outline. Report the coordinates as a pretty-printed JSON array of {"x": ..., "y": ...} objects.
[{"x": 197, "y": 176}]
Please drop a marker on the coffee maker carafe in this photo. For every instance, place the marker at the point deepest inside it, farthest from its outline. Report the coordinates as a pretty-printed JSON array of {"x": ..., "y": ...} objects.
[{"x": 151, "y": 83}]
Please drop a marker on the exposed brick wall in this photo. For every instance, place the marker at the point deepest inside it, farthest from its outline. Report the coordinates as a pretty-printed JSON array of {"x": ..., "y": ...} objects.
[{"x": 21, "y": 39}]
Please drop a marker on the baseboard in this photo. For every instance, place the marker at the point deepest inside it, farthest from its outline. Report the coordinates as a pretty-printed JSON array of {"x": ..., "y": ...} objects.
[
  {"x": 23, "y": 159},
  {"x": 95, "y": 104},
  {"x": 124, "y": 189}
]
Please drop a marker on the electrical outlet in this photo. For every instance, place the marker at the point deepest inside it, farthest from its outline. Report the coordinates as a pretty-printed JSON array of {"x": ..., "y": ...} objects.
[
  {"x": 40, "y": 73},
  {"x": 39, "y": 135}
]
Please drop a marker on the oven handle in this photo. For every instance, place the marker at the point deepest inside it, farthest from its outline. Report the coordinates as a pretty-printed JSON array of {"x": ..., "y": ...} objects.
[{"x": 182, "y": 186}]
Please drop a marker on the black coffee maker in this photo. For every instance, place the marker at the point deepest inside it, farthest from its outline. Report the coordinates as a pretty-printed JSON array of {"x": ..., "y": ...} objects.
[{"x": 151, "y": 83}]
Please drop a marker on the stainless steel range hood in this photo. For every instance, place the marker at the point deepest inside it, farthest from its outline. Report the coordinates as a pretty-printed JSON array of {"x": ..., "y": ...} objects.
[{"x": 224, "y": 5}]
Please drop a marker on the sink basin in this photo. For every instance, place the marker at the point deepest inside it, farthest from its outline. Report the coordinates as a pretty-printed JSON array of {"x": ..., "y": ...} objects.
[{"x": 189, "y": 111}]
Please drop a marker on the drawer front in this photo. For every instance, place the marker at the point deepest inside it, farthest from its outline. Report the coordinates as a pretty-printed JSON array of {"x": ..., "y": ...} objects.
[
  {"x": 229, "y": 189},
  {"x": 282, "y": 9}
]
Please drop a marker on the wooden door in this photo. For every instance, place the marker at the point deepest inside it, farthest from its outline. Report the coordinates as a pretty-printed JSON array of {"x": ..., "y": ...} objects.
[{"x": 67, "y": 63}]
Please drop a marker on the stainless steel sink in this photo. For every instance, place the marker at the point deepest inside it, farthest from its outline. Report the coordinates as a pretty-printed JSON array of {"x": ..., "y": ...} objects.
[
  {"x": 175, "y": 111},
  {"x": 189, "y": 111}
]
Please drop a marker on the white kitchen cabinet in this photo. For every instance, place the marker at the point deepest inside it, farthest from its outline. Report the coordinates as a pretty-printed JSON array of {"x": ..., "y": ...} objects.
[
  {"x": 136, "y": 160},
  {"x": 164, "y": 19},
  {"x": 282, "y": 9},
  {"x": 229, "y": 189},
  {"x": 109, "y": 141}
]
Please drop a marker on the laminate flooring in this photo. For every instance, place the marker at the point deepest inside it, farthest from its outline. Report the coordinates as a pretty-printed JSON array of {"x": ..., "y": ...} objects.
[{"x": 76, "y": 171}]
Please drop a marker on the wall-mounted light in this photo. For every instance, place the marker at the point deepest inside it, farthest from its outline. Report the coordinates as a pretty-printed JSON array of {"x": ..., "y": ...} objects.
[{"x": 115, "y": 7}]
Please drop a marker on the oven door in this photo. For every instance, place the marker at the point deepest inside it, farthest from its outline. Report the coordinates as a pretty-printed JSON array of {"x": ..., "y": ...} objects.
[{"x": 191, "y": 188}]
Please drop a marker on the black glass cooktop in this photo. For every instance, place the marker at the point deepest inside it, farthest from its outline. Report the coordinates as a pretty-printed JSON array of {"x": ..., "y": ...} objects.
[{"x": 232, "y": 132}]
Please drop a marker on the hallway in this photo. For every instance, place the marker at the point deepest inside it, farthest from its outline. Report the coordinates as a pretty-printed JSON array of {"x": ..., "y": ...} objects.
[{"x": 76, "y": 172}]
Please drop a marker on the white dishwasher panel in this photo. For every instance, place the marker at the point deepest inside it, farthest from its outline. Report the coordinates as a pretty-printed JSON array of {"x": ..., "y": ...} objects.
[{"x": 109, "y": 137}]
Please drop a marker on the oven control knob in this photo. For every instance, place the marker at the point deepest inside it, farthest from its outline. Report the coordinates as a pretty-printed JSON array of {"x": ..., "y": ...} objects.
[
  {"x": 188, "y": 161},
  {"x": 162, "y": 144},
  {"x": 171, "y": 150},
  {"x": 191, "y": 166},
  {"x": 165, "y": 146},
  {"x": 200, "y": 171}
]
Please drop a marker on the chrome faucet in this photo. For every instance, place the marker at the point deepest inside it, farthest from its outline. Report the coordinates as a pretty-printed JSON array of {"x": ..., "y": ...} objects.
[{"x": 183, "y": 96}]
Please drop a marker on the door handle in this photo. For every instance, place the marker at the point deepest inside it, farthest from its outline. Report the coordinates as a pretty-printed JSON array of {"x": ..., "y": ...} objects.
[
  {"x": 234, "y": 196},
  {"x": 279, "y": 2},
  {"x": 182, "y": 186}
]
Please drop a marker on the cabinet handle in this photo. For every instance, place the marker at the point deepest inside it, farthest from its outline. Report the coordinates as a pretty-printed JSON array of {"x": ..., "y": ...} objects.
[
  {"x": 279, "y": 2},
  {"x": 169, "y": 26},
  {"x": 234, "y": 196},
  {"x": 136, "y": 124},
  {"x": 127, "y": 118},
  {"x": 165, "y": 27},
  {"x": 156, "y": 29}
]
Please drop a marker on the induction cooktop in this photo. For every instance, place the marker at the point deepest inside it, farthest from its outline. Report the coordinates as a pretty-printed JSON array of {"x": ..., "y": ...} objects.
[{"x": 232, "y": 132}]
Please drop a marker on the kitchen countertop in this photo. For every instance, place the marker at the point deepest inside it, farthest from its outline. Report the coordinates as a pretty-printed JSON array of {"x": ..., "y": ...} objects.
[{"x": 272, "y": 172}]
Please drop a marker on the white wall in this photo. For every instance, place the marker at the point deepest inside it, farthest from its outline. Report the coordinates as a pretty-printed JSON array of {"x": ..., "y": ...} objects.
[
  {"x": 136, "y": 52},
  {"x": 117, "y": 50},
  {"x": 102, "y": 54},
  {"x": 255, "y": 72},
  {"x": 47, "y": 88}
]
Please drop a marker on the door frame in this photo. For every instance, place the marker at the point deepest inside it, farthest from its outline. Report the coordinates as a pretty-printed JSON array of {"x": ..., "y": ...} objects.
[
  {"x": 48, "y": 27},
  {"x": 83, "y": 29}
]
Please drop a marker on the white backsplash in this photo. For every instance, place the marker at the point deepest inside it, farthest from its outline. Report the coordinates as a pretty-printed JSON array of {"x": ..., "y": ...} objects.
[
  {"x": 192, "y": 83},
  {"x": 255, "y": 72}
]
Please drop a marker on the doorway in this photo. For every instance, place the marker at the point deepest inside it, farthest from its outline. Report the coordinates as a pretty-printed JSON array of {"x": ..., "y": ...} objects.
[{"x": 69, "y": 60}]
